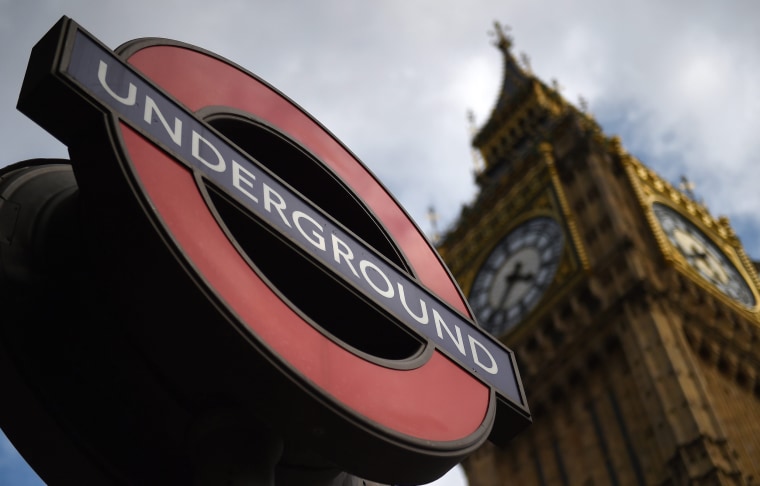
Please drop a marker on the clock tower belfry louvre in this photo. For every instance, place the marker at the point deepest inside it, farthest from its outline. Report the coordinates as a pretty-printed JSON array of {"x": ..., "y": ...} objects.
[{"x": 633, "y": 311}]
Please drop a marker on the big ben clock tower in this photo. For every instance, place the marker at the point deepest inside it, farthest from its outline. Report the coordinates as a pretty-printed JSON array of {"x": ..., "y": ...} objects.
[{"x": 632, "y": 310}]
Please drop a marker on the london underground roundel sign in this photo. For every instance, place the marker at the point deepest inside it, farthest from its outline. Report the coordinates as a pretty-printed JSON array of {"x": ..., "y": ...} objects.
[{"x": 356, "y": 341}]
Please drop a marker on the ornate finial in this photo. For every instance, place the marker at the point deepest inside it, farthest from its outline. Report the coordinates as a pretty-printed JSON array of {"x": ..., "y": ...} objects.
[
  {"x": 503, "y": 40},
  {"x": 471, "y": 118},
  {"x": 583, "y": 103},
  {"x": 477, "y": 161},
  {"x": 724, "y": 222},
  {"x": 433, "y": 218},
  {"x": 687, "y": 187},
  {"x": 525, "y": 60}
]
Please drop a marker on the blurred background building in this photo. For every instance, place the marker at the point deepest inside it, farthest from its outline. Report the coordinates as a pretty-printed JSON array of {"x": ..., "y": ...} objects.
[{"x": 632, "y": 310}]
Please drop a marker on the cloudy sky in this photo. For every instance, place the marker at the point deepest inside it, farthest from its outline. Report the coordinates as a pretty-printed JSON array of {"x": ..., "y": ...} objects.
[{"x": 393, "y": 79}]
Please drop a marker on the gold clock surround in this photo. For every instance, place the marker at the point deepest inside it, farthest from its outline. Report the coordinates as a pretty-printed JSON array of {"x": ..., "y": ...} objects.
[
  {"x": 540, "y": 194},
  {"x": 651, "y": 190}
]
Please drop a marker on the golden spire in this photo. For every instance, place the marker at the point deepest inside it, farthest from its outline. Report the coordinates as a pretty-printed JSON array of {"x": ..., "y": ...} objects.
[
  {"x": 503, "y": 39},
  {"x": 687, "y": 187},
  {"x": 432, "y": 216},
  {"x": 477, "y": 159},
  {"x": 525, "y": 61}
]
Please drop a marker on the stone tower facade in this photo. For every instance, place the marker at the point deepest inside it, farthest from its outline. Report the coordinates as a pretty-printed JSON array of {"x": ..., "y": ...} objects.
[{"x": 633, "y": 311}]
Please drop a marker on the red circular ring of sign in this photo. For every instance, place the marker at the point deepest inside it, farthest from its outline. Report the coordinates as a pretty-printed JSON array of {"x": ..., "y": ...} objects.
[{"x": 439, "y": 401}]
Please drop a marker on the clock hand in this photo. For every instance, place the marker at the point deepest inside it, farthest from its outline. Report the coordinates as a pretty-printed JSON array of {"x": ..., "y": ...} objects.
[
  {"x": 710, "y": 271},
  {"x": 695, "y": 252},
  {"x": 514, "y": 276}
]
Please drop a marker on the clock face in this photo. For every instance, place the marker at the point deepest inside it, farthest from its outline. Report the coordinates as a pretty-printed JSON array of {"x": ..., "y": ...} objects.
[
  {"x": 703, "y": 255},
  {"x": 516, "y": 274}
]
